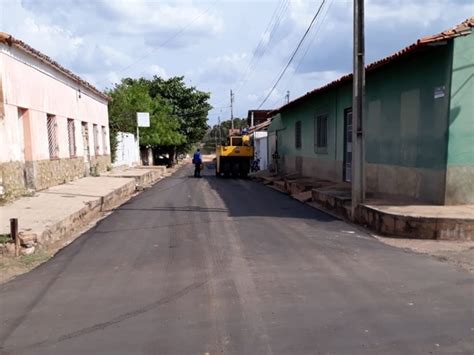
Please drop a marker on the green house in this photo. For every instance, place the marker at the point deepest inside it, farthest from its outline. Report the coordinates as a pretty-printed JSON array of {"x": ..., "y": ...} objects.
[{"x": 418, "y": 126}]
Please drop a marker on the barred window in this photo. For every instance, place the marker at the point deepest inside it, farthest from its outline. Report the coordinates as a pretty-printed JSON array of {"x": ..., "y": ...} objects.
[
  {"x": 52, "y": 136},
  {"x": 298, "y": 135},
  {"x": 104, "y": 140},
  {"x": 96, "y": 139},
  {"x": 71, "y": 136},
  {"x": 321, "y": 132}
]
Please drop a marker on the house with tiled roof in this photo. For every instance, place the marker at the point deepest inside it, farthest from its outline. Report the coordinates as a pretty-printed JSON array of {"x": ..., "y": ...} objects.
[
  {"x": 418, "y": 124},
  {"x": 54, "y": 126}
]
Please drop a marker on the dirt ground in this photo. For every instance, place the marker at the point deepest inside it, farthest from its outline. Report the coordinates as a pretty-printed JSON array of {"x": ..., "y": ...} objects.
[{"x": 460, "y": 253}]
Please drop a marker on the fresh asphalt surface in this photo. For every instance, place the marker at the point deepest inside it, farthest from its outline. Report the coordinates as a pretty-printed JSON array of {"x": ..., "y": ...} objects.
[{"x": 224, "y": 266}]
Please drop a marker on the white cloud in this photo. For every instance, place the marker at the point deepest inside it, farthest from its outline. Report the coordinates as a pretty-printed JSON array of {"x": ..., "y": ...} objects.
[
  {"x": 149, "y": 16},
  {"x": 225, "y": 68},
  {"x": 155, "y": 69}
]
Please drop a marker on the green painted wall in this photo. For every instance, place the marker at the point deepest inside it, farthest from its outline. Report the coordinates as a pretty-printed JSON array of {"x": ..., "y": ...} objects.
[
  {"x": 405, "y": 124},
  {"x": 461, "y": 115},
  {"x": 332, "y": 104}
]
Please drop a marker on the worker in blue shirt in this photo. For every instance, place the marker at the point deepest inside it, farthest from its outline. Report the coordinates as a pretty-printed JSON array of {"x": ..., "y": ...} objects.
[{"x": 197, "y": 161}]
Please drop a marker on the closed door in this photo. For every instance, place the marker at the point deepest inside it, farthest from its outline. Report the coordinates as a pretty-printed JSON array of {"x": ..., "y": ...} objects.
[{"x": 347, "y": 162}]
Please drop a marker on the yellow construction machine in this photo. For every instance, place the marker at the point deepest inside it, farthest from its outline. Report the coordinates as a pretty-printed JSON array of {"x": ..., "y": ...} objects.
[{"x": 234, "y": 158}]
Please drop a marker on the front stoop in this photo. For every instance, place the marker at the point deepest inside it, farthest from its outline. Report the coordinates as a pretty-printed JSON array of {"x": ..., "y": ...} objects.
[
  {"x": 445, "y": 223},
  {"x": 337, "y": 201},
  {"x": 416, "y": 226}
]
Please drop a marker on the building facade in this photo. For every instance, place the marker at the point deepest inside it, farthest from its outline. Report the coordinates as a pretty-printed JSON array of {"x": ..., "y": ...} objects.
[
  {"x": 53, "y": 125},
  {"x": 418, "y": 127}
]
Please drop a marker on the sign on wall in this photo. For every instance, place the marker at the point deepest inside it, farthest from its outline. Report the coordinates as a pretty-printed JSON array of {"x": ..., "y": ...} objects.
[
  {"x": 143, "y": 119},
  {"x": 439, "y": 92}
]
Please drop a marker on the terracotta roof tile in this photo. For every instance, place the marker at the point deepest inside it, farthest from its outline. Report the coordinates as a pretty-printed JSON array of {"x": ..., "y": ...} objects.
[
  {"x": 12, "y": 41},
  {"x": 463, "y": 29}
]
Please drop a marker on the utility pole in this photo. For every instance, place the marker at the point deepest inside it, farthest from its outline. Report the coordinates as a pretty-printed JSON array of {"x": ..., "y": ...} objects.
[
  {"x": 232, "y": 109},
  {"x": 287, "y": 97},
  {"x": 358, "y": 94},
  {"x": 219, "y": 124}
]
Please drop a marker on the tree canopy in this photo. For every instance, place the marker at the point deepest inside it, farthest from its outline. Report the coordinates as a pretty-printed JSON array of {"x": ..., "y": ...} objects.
[
  {"x": 213, "y": 137},
  {"x": 178, "y": 113}
]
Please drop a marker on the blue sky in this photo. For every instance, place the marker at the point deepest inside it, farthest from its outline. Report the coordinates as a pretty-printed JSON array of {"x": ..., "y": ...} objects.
[{"x": 212, "y": 42}]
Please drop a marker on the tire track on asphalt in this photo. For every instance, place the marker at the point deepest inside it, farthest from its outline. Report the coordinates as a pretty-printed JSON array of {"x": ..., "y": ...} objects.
[{"x": 245, "y": 287}]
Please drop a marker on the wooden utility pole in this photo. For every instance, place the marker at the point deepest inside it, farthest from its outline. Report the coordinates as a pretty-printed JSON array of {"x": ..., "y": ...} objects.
[
  {"x": 232, "y": 110},
  {"x": 219, "y": 125},
  {"x": 287, "y": 97},
  {"x": 358, "y": 93}
]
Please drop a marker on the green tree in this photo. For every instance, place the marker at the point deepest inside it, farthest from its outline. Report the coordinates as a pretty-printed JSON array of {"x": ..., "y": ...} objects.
[
  {"x": 164, "y": 127},
  {"x": 132, "y": 96},
  {"x": 190, "y": 105}
]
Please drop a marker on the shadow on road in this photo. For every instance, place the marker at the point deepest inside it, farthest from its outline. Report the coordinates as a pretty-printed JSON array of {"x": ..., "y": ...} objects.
[{"x": 247, "y": 198}]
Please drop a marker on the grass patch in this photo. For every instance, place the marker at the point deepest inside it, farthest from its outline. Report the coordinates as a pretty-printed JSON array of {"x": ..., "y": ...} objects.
[
  {"x": 34, "y": 259},
  {"x": 5, "y": 238}
]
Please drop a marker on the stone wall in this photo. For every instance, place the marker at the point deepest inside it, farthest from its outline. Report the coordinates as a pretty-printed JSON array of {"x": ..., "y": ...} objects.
[
  {"x": 42, "y": 174},
  {"x": 100, "y": 163},
  {"x": 12, "y": 180},
  {"x": 16, "y": 178}
]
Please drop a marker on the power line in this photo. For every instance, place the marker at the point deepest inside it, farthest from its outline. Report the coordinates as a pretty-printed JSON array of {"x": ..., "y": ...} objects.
[
  {"x": 165, "y": 42},
  {"x": 317, "y": 30},
  {"x": 293, "y": 54},
  {"x": 262, "y": 47},
  {"x": 270, "y": 30}
]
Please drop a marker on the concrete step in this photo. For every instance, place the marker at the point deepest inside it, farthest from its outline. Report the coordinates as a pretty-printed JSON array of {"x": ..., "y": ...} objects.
[{"x": 401, "y": 221}]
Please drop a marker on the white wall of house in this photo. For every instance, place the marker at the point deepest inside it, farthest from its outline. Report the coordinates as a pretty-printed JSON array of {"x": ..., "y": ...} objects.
[
  {"x": 128, "y": 152},
  {"x": 41, "y": 89},
  {"x": 261, "y": 148}
]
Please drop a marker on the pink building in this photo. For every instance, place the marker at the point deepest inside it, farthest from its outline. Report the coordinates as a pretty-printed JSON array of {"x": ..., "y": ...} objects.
[{"x": 54, "y": 126}]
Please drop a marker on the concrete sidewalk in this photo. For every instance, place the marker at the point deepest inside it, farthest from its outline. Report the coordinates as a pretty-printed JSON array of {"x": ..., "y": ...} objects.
[
  {"x": 53, "y": 214},
  {"x": 390, "y": 217}
]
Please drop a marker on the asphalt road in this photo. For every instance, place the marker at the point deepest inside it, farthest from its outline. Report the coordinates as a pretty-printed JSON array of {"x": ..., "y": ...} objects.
[{"x": 223, "y": 266}]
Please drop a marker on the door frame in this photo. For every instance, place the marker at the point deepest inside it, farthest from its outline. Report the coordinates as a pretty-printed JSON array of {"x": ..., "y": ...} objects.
[{"x": 345, "y": 178}]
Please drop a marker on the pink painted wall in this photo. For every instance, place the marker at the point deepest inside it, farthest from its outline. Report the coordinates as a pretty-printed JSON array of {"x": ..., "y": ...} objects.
[{"x": 33, "y": 85}]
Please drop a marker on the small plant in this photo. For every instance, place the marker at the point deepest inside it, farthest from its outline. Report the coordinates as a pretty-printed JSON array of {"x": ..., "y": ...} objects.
[
  {"x": 109, "y": 168},
  {"x": 5, "y": 238},
  {"x": 34, "y": 259},
  {"x": 95, "y": 170}
]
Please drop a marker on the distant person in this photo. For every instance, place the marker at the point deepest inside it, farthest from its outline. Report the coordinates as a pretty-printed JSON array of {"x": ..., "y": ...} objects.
[{"x": 197, "y": 161}]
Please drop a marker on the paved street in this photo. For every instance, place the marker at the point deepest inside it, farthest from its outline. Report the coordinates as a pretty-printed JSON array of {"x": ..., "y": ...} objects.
[{"x": 223, "y": 266}]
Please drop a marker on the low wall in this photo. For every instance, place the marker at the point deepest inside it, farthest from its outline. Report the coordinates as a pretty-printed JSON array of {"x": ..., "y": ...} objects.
[
  {"x": 324, "y": 169},
  {"x": 12, "y": 180},
  {"x": 416, "y": 227},
  {"x": 420, "y": 184},
  {"x": 101, "y": 163},
  {"x": 17, "y": 177},
  {"x": 42, "y": 174}
]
